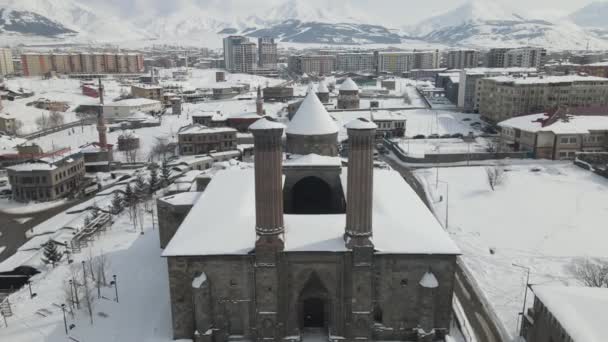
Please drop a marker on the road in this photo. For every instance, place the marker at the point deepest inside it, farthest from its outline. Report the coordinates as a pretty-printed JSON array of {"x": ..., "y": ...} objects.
[
  {"x": 484, "y": 327},
  {"x": 12, "y": 233}
]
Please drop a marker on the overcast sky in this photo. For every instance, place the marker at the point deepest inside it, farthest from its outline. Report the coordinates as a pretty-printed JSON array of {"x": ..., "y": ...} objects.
[{"x": 394, "y": 12}]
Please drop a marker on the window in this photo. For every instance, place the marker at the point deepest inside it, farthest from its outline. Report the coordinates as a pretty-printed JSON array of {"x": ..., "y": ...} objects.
[{"x": 404, "y": 282}]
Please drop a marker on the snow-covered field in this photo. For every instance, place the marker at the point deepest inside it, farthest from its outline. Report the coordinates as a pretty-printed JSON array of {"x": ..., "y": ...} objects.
[
  {"x": 543, "y": 216},
  {"x": 421, "y": 147},
  {"x": 141, "y": 314},
  {"x": 427, "y": 122},
  {"x": 68, "y": 90}
]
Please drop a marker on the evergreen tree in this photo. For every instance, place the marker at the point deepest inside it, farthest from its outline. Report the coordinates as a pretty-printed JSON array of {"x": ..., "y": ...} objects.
[
  {"x": 117, "y": 203},
  {"x": 165, "y": 174},
  {"x": 154, "y": 181},
  {"x": 129, "y": 196},
  {"x": 87, "y": 220},
  {"x": 51, "y": 254}
]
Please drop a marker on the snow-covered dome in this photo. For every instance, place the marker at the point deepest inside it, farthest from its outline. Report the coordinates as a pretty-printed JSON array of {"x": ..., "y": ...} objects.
[
  {"x": 312, "y": 118},
  {"x": 349, "y": 85},
  {"x": 322, "y": 88}
]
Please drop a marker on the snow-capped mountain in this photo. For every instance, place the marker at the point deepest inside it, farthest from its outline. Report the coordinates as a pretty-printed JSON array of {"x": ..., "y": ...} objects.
[
  {"x": 31, "y": 24},
  {"x": 479, "y": 23},
  {"x": 92, "y": 24},
  {"x": 593, "y": 15},
  {"x": 309, "y": 12},
  {"x": 296, "y": 31}
]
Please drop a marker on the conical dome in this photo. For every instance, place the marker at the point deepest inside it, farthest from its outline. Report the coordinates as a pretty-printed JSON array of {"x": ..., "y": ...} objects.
[
  {"x": 312, "y": 118},
  {"x": 349, "y": 85}
]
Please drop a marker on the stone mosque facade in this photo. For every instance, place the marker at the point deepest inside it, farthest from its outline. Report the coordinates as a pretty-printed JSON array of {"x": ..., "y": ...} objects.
[{"x": 300, "y": 246}]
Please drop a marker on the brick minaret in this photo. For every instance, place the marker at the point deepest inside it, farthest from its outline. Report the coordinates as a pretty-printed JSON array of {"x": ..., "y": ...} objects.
[
  {"x": 101, "y": 121},
  {"x": 259, "y": 103},
  {"x": 268, "y": 180},
  {"x": 269, "y": 225},
  {"x": 361, "y": 137}
]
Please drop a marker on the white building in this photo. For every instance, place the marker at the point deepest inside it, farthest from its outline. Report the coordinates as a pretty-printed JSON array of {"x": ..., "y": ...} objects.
[
  {"x": 354, "y": 62},
  {"x": 125, "y": 108},
  {"x": 461, "y": 59},
  {"x": 467, "y": 89}
]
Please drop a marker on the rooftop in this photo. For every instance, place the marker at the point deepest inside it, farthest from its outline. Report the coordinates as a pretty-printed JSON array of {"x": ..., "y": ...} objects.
[
  {"x": 312, "y": 118},
  {"x": 183, "y": 198},
  {"x": 313, "y": 159},
  {"x": 133, "y": 102},
  {"x": 574, "y": 124},
  {"x": 547, "y": 79},
  {"x": 581, "y": 311},
  {"x": 200, "y": 129},
  {"x": 402, "y": 223}
]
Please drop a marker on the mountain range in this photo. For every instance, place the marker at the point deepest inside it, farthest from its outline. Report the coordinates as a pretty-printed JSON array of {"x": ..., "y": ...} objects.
[{"x": 477, "y": 23}]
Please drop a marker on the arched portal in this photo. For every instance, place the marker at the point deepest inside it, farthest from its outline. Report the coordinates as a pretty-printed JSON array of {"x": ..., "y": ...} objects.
[
  {"x": 312, "y": 195},
  {"x": 314, "y": 306}
]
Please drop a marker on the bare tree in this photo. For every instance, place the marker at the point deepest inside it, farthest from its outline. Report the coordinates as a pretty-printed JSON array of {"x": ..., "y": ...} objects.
[
  {"x": 160, "y": 150},
  {"x": 592, "y": 272},
  {"x": 43, "y": 122},
  {"x": 18, "y": 127},
  {"x": 495, "y": 175},
  {"x": 56, "y": 119},
  {"x": 88, "y": 295}
]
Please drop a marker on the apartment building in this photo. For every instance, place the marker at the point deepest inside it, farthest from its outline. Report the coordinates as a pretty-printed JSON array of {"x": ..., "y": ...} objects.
[
  {"x": 504, "y": 97},
  {"x": 595, "y": 69},
  {"x": 468, "y": 93},
  {"x": 240, "y": 55},
  {"x": 38, "y": 64},
  {"x": 426, "y": 59},
  {"x": 462, "y": 59},
  {"x": 395, "y": 62},
  {"x": 198, "y": 139},
  {"x": 6, "y": 62},
  {"x": 557, "y": 136},
  {"x": 147, "y": 91},
  {"x": 355, "y": 62},
  {"x": 526, "y": 57},
  {"x": 267, "y": 53},
  {"x": 312, "y": 64},
  {"x": 47, "y": 179}
]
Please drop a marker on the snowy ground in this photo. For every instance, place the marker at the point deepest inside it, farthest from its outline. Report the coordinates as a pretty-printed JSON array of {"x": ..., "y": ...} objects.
[
  {"x": 12, "y": 207},
  {"x": 421, "y": 147},
  {"x": 427, "y": 122},
  {"x": 64, "y": 89},
  {"x": 142, "y": 313},
  {"x": 543, "y": 216}
]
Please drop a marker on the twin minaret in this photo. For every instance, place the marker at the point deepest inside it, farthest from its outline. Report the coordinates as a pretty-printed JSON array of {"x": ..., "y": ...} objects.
[
  {"x": 101, "y": 121},
  {"x": 269, "y": 179}
]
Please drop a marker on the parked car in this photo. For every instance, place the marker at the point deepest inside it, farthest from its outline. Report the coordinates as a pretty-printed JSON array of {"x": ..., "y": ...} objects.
[
  {"x": 419, "y": 136},
  {"x": 434, "y": 136}
]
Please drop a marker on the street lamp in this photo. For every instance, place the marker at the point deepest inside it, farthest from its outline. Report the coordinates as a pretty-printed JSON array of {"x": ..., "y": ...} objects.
[
  {"x": 115, "y": 284},
  {"x": 523, "y": 310},
  {"x": 65, "y": 322},
  {"x": 29, "y": 284}
]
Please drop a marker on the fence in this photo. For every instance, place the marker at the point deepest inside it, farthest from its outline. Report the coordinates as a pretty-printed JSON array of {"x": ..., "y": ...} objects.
[
  {"x": 451, "y": 157},
  {"x": 48, "y": 131},
  {"x": 82, "y": 238}
]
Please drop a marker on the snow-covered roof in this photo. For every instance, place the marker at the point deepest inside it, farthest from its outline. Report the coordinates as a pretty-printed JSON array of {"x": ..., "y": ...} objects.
[
  {"x": 575, "y": 124},
  {"x": 30, "y": 166},
  {"x": 498, "y": 71},
  {"x": 183, "y": 198},
  {"x": 322, "y": 88},
  {"x": 402, "y": 224},
  {"x": 581, "y": 311},
  {"x": 349, "y": 85},
  {"x": 429, "y": 281},
  {"x": 313, "y": 159},
  {"x": 385, "y": 115},
  {"x": 547, "y": 79},
  {"x": 133, "y": 102},
  {"x": 264, "y": 124},
  {"x": 311, "y": 118},
  {"x": 528, "y": 123},
  {"x": 361, "y": 123},
  {"x": 199, "y": 129}
]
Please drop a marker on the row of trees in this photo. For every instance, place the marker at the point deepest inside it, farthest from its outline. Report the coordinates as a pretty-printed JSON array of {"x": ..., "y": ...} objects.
[{"x": 54, "y": 119}]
